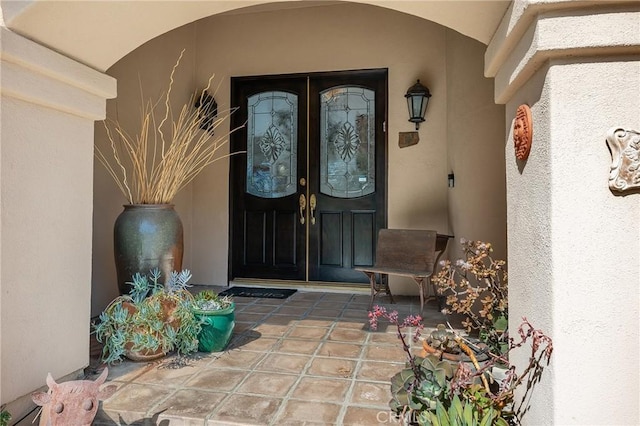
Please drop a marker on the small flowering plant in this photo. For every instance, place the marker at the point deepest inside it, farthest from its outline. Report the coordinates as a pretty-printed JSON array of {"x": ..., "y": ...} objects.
[
  {"x": 424, "y": 379},
  {"x": 392, "y": 317},
  {"x": 477, "y": 287},
  {"x": 434, "y": 391}
]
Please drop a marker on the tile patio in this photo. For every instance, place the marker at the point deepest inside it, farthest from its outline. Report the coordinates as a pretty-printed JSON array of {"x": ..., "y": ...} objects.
[{"x": 310, "y": 359}]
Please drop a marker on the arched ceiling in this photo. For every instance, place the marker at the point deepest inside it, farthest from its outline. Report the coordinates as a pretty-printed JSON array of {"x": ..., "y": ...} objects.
[{"x": 99, "y": 33}]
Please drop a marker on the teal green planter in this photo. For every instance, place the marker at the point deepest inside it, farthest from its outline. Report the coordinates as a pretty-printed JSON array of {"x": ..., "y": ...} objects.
[{"x": 217, "y": 327}]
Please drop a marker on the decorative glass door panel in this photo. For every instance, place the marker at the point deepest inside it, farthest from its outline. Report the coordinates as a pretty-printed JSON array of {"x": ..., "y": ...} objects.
[
  {"x": 347, "y": 142},
  {"x": 272, "y": 144}
]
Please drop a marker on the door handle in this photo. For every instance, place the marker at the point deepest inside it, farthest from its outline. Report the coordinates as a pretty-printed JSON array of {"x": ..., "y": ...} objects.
[
  {"x": 303, "y": 205},
  {"x": 312, "y": 205}
]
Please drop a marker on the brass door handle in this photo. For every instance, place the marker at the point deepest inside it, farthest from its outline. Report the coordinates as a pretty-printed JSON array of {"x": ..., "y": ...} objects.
[
  {"x": 312, "y": 205},
  {"x": 303, "y": 205}
]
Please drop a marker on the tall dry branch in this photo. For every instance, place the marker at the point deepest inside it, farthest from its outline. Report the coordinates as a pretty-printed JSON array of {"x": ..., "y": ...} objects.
[{"x": 168, "y": 152}]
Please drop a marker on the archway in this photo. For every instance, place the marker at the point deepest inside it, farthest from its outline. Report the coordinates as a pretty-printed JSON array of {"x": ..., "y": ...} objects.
[
  {"x": 110, "y": 30},
  {"x": 322, "y": 37}
]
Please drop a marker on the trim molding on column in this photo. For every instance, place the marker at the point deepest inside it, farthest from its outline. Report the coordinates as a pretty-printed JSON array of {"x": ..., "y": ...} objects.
[
  {"x": 36, "y": 74},
  {"x": 528, "y": 37}
]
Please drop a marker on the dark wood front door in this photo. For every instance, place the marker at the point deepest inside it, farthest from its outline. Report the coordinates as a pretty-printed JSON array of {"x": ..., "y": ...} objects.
[{"x": 308, "y": 197}]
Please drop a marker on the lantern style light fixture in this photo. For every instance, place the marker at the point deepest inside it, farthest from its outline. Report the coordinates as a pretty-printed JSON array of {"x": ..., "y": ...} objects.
[{"x": 417, "y": 101}]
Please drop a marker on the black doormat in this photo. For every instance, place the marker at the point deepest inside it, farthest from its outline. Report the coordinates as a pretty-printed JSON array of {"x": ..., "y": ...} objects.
[{"x": 267, "y": 293}]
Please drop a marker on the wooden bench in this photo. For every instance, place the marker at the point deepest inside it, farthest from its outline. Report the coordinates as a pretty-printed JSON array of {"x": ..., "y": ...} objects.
[{"x": 403, "y": 252}]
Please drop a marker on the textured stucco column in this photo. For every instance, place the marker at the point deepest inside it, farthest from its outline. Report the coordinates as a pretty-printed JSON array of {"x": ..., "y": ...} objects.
[
  {"x": 574, "y": 246},
  {"x": 48, "y": 107}
]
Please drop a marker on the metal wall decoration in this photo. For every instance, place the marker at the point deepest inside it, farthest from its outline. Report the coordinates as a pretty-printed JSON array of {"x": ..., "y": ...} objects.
[
  {"x": 207, "y": 111},
  {"x": 522, "y": 132},
  {"x": 624, "y": 146}
]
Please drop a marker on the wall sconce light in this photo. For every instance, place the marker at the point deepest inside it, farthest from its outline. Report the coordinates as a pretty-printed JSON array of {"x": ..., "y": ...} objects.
[
  {"x": 451, "y": 179},
  {"x": 207, "y": 111},
  {"x": 417, "y": 101}
]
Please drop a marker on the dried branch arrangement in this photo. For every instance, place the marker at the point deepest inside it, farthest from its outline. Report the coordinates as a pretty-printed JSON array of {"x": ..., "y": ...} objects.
[{"x": 169, "y": 151}]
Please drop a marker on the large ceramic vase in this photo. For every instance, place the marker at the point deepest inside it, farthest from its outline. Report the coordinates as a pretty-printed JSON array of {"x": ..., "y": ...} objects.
[{"x": 147, "y": 236}]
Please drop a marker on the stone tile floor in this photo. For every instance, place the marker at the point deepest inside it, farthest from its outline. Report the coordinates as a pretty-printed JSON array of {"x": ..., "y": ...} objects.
[{"x": 308, "y": 359}]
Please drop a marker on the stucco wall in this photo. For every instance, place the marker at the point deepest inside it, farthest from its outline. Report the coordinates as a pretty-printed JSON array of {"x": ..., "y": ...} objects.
[
  {"x": 325, "y": 38},
  {"x": 33, "y": 296},
  {"x": 574, "y": 246},
  {"x": 46, "y": 174},
  {"x": 577, "y": 247},
  {"x": 328, "y": 38},
  {"x": 529, "y": 227},
  {"x": 417, "y": 175},
  {"x": 475, "y": 150}
]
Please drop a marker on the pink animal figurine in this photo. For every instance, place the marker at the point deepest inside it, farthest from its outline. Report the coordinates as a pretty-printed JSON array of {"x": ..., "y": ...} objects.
[{"x": 72, "y": 403}]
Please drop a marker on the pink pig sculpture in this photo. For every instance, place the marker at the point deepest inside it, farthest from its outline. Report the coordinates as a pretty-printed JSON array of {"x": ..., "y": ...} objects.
[{"x": 72, "y": 403}]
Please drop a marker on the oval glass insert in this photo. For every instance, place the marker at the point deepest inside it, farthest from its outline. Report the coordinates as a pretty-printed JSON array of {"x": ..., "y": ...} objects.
[
  {"x": 272, "y": 131},
  {"x": 347, "y": 142}
]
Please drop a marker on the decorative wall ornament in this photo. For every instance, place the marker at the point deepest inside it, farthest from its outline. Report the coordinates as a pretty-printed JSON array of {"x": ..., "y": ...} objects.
[
  {"x": 207, "y": 111},
  {"x": 523, "y": 132},
  {"x": 624, "y": 146},
  {"x": 72, "y": 403},
  {"x": 406, "y": 139}
]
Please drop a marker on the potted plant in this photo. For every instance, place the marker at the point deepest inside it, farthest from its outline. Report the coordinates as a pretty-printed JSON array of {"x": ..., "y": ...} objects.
[
  {"x": 150, "y": 165},
  {"x": 217, "y": 318},
  {"x": 151, "y": 321},
  {"x": 436, "y": 388},
  {"x": 431, "y": 390},
  {"x": 5, "y": 417},
  {"x": 477, "y": 288}
]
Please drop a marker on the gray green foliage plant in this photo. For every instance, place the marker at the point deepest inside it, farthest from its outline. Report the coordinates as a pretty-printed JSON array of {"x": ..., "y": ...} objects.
[
  {"x": 154, "y": 317},
  {"x": 461, "y": 413},
  {"x": 209, "y": 300},
  {"x": 434, "y": 391},
  {"x": 420, "y": 384},
  {"x": 5, "y": 417}
]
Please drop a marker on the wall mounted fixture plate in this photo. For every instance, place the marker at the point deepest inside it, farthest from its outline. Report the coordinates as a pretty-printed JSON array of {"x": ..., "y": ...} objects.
[{"x": 406, "y": 139}]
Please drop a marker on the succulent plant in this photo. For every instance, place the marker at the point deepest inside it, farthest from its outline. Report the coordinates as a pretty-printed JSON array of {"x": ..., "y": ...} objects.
[
  {"x": 461, "y": 413},
  {"x": 5, "y": 417},
  {"x": 153, "y": 319},
  {"x": 419, "y": 387},
  {"x": 436, "y": 373},
  {"x": 443, "y": 339},
  {"x": 209, "y": 300}
]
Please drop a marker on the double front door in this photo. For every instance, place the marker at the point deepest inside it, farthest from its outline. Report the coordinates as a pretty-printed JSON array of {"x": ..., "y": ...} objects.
[{"x": 308, "y": 197}]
